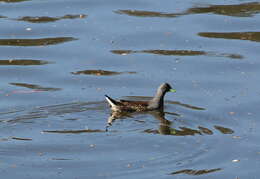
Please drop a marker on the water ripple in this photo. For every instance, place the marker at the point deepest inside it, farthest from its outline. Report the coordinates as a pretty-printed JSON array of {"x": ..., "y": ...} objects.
[
  {"x": 75, "y": 131},
  {"x": 196, "y": 172},
  {"x": 23, "y": 62},
  {"x": 36, "y": 87},
  {"x": 251, "y": 36},
  {"x": 179, "y": 53},
  {"x": 35, "y": 42},
  {"x": 46, "y": 19},
  {"x": 15, "y": 116},
  {"x": 236, "y": 10},
  {"x": 100, "y": 72},
  {"x": 13, "y": 1}
]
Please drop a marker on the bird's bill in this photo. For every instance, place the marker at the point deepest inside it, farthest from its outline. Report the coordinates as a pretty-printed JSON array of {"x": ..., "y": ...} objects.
[{"x": 173, "y": 90}]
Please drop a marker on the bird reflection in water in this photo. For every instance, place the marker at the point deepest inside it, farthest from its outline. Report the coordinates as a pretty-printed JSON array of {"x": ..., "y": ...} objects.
[{"x": 164, "y": 126}]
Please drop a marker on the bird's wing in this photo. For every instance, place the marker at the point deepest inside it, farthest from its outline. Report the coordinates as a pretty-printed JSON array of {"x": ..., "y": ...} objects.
[{"x": 127, "y": 102}]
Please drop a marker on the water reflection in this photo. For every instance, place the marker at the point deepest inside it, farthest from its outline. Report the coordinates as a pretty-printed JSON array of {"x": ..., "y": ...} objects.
[
  {"x": 145, "y": 13},
  {"x": 118, "y": 115},
  {"x": 35, "y": 42},
  {"x": 74, "y": 131},
  {"x": 166, "y": 127},
  {"x": 224, "y": 130},
  {"x": 46, "y": 19},
  {"x": 167, "y": 130},
  {"x": 205, "y": 130},
  {"x": 252, "y": 36},
  {"x": 19, "y": 138},
  {"x": 196, "y": 172},
  {"x": 178, "y": 53},
  {"x": 100, "y": 72},
  {"x": 23, "y": 62},
  {"x": 165, "y": 124},
  {"x": 237, "y": 10},
  {"x": 12, "y": 1},
  {"x": 36, "y": 87}
]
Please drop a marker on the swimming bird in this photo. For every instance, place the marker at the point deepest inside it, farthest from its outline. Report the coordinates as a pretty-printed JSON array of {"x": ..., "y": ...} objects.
[{"x": 156, "y": 103}]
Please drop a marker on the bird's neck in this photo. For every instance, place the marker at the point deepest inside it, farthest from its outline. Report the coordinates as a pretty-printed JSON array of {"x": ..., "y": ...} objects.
[{"x": 157, "y": 100}]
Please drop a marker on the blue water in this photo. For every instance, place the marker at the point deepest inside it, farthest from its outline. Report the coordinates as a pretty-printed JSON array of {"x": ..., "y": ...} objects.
[{"x": 59, "y": 58}]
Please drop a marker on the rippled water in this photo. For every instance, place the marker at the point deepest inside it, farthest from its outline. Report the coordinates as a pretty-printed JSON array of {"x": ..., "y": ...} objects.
[{"x": 59, "y": 58}]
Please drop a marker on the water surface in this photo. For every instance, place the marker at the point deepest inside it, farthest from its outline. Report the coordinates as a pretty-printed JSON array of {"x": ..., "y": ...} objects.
[{"x": 59, "y": 58}]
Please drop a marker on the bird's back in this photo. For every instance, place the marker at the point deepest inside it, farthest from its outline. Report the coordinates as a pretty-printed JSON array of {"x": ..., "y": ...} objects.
[{"x": 133, "y": 105}]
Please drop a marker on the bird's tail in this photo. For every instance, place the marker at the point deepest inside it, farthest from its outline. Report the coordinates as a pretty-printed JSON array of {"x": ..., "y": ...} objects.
[{"x": 111, "y": 101}]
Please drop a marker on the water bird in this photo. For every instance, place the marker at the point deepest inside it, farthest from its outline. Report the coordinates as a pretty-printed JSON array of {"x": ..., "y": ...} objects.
[{"x": 156, "y": 103}]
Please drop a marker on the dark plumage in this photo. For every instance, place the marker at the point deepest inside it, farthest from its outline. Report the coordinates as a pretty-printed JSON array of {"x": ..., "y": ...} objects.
[{"x": 131, "y": 106}]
